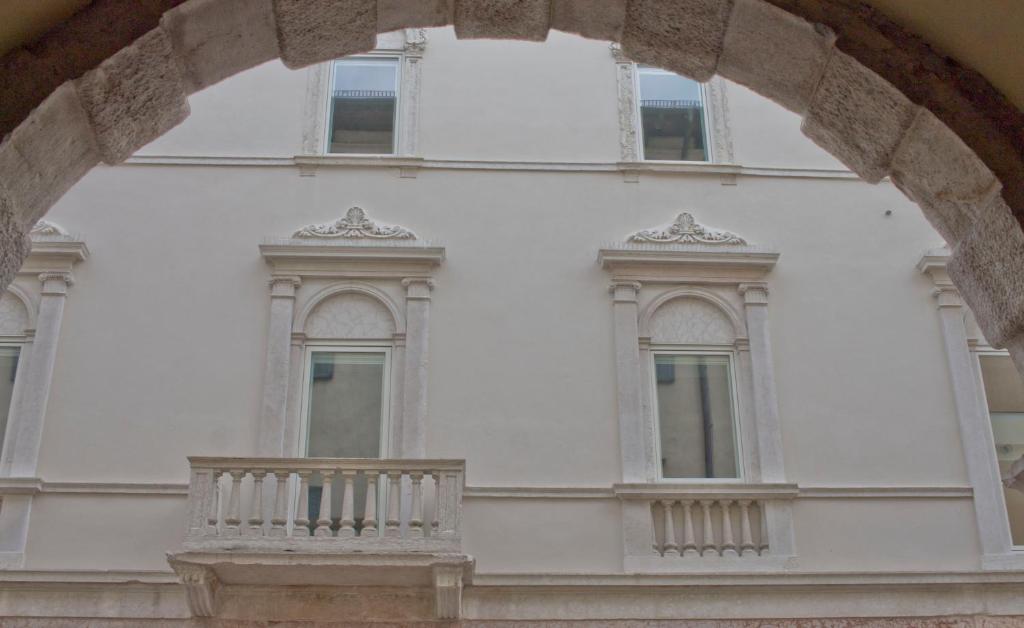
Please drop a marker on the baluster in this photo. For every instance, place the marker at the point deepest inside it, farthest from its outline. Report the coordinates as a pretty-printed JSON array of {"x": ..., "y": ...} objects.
[
  {"x": 393, "y": 520},
  {"x": 689, "y": 543},
  {"x": 370, "y": 512},
  {"x": 746, "y": 540},
  {"x": 764, "y": 529},
  {"x": 708, "y": 546},
  {"x": 728, "y": 545},
  {"x": 256, "y": 508},
  {"x": 213, "y": 518},
  {"x": 435, "y": 522},
  {"x": 323, "y": 520},
  {"x": 233, "y": 520},
  {"x": 301, "y": 525},
  {"x": 416, "y": 517},
  {"x": 671, "y": 548},
  {"x": 347, "y": 529},
  {"x": 279, "y": 520}
]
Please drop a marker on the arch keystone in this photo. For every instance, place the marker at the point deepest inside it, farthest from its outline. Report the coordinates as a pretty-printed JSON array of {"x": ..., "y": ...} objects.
[
  {"x": 395, "y": 14},
  {"x": 858, "y": 116},
  {"x": 311, "y": 31},
  {"x": 775, "y": 53},
  {"x": 502, "y": 19},
  {"x": 683, "y": 36}
]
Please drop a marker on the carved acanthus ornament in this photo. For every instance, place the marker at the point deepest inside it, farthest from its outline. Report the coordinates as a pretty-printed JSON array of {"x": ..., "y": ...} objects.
[
  {"x": 686, "y": 230},
  {"x": 354, "y": 225},
  {"x": 47, "y": 228}
]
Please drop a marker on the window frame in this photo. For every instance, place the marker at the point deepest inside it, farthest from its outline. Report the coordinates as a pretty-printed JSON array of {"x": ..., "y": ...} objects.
[
  {"x": 20, "y": 343},
  {"x": 354, "y": 346},
  {"x": 638, "y": 126},
  {"x": 737, "y": 427},
  {"x": 328, "y": 112}
]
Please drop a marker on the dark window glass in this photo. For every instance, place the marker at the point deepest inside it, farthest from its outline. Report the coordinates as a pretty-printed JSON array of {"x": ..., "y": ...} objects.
[
  {"x": 363, "y": 105},
  {"x": 671, "y": 117}
]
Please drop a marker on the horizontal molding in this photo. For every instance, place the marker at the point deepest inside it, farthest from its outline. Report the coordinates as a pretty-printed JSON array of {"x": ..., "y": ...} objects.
[
  {"x": 32, "y": 486},
  {"x": 843, "y": 491},
  {"x": 87, "y": 577},
  {"x": 538, "y": 492},
  {"x": 340, "y": 161}
]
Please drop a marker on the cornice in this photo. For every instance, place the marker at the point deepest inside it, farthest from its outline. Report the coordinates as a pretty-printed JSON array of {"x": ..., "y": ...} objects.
[
  {"x": 54, "y": 254},
  {"x": 330, "y": 258},
  {"x": 667, "y": 263}
]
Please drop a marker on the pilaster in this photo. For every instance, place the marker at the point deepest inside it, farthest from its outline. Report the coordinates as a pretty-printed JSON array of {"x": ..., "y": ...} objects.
[
  {"x": 276, "y": 373},
  {"x": 417, "y": 360},
  {"x": 765, "y": 403},
  {"x": 625, "y": 316}
]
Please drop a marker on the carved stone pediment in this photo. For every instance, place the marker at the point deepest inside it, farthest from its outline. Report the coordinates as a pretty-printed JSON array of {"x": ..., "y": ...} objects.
[
  {"x": 354, "y": 225},
  {"x": 45, "y": 228},
  {"x": 686, "y": 230}
]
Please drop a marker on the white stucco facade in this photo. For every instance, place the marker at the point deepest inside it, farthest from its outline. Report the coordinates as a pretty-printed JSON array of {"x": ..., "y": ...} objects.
[{"x": 861, "y": 428}]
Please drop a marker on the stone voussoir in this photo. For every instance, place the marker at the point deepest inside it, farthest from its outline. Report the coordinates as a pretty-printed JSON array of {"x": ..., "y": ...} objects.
[
  {"x": 217, "y": 38},
  {"x": 502, "y": 19},
  {"x": 935, "y": 169},
  {"x": 311, "y": 31},
  {"x": 595, "y": 19},
  {"x": 987, "y": 266},
  {"x": 52, "y": 149},
  {"x": 14, "y": 240},
  {"x": 134, "y": 96},
  {"x": 858, "y": 117},
  {"x": 395, "y": 14},
  {"x": 684, "y": 36},
  {"x": 775, "y": 53}
]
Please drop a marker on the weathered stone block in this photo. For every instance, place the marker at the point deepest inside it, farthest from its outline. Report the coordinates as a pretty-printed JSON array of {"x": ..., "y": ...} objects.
[
  {"x": 858, "y": 117},
  {"x": 217, "y": 38},
  {"x": 502, "y": 19},
  {"x": 395, "y": 14},
  {"x": 52, "y": 149},
  {"x": 311, "y": 31},
  {"x": 941, "y": 174},
  {"x": 987, "y": 266},
  {"x": 775, "y": 53},
  {"x": 596, "y": 19},
  {"x": 134, "y": 96},
  {"x": 683, "y": 36},
  {"x": 14, "y": 241}
]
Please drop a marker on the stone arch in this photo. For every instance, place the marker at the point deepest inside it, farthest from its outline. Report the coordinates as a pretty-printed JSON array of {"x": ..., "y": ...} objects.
[
  {"x": 17, "y": 312},
  {"x": 372, "y": 312},
  {"x": 712, "y": 314},
  {"x": 778, "y": 48}
]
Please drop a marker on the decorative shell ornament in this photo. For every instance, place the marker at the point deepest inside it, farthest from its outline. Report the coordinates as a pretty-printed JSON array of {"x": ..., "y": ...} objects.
[
  {"x": 685, "y": 230},
  {"x": 354, "y": 225}
]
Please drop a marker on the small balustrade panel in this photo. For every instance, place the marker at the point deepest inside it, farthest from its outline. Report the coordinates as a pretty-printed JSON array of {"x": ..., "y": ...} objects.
[
  {"x": 709, "y": 527},
  {"x": 329, "y": 503}
]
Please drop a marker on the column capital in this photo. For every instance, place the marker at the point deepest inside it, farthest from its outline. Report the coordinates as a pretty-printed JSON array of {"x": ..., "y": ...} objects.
[
  {"x": 284, "y": 286},
  {"x": 947, "y": 296},
  {"x": 755, "y": 293},
  {"x": 56, "y": 282},
  {"x": 418, "y": 287},
  {"x": 624, "y": 291}
]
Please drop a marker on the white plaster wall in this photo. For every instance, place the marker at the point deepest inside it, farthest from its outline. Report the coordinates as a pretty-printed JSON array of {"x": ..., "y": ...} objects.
[{"x": 164, "y": 333}]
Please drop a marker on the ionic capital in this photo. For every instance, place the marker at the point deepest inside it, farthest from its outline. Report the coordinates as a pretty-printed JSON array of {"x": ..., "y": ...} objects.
[
  {"x": 284, "y": 286},
  {"x": 418, "y": 287},
  {"x": 754, "y": 293},
  {"x": 56, "y": 282},
  {"x": 624, "y": 291},
  {"x": 947, "y": 296}
]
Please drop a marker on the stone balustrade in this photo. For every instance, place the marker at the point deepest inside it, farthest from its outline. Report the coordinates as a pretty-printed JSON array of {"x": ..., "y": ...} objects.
[
  {"x": 682, "y": 526},
  {"x": 325, "y": 504}
]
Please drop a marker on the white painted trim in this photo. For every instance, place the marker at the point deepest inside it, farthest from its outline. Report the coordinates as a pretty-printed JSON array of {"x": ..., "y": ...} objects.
[
  {"x": 800, "y": 578},
  {"x": 538, "y": 492},
  {"x": 843, "y": 491}
]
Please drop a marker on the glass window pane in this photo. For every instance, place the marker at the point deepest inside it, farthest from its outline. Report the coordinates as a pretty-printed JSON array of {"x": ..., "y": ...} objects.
[
  {"x": 8, "y": 369},
  {"x": 695, "y": 416},
  {"x": 1004, "y": 390},
  {"x": 363, "y": 105},
  {"x": 345, "y": 405},
  {"x": 671, "y": 117}
]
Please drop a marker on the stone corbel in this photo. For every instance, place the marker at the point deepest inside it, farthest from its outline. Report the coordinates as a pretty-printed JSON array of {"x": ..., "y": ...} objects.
[
  {"x": 201, "y": 587},
  {"x": 448, "y": 591}
]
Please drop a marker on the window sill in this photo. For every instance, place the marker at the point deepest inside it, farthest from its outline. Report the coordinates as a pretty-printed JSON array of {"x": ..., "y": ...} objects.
[
  {"x": 1011, "y": 561},
  {"x": 705, "y": 490}
]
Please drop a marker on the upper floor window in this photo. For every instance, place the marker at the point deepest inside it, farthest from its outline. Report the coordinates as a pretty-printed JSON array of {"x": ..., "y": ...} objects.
[
  {"x": 1004, "y": 392},
  {"x": 695, "y": 415},
  {"x": 363, "y": 106},
  {"x": 672, "y": 117}
]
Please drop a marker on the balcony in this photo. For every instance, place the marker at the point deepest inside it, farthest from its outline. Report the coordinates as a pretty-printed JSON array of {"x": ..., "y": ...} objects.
[{"x": 323, "y": 522}]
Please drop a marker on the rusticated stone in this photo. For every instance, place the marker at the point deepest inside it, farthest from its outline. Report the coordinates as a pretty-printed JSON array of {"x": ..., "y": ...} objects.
[
  {"x": 14, "y": 241},
  {"x": 311, "y": 31},
  {"x": 502, "y": 19},
  {"x": 217, "y": 38},
  {"x": 775, "y": 53},
  {"x": 48, "y": 153},
  {"x": 683, "y": 36},
  {"x": 987, "y": 266},
  {"x": 858, "y": 117},
  {"x": 395, "y": 14},
  {"x": 596, "y": 19},
  {"x": 134, "y": 97},
  {"x": 937, "y": 171}
]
